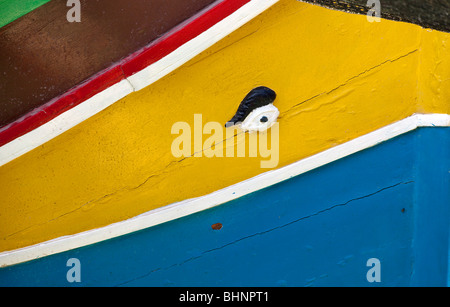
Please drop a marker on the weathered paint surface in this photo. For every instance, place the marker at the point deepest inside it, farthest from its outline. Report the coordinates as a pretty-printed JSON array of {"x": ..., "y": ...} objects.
[
  {"x": 336, "y": 80},
  {"x": 10, "y": 10},
  {"x": 44, "y": 55},
  {"x": 388, "y": 202},
  {"x": 426, "y": 13},
  {"x": 432, "y": 217},
  {"x": 140, "y": 69}
]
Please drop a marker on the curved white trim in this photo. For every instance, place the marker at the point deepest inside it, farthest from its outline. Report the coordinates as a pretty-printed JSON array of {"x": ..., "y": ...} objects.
[
  {"x": 136, "y": 82},
  {"x": 190, "y": 206}
]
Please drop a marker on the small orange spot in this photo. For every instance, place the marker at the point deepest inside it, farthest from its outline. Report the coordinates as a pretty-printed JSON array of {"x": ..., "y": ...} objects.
[{"x": 217, "y": 226}]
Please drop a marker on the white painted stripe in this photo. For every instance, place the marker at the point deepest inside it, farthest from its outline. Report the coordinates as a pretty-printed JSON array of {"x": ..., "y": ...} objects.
[
  {"x": 433, "y": 120},
  {"x": 190, "y": 206},
  {"x": 138, "y": 81}
]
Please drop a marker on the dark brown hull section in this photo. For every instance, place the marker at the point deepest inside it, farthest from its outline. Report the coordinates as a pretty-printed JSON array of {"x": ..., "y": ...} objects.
[
  {"x": 434, "y": 14},
  {"x": 43, "y": 55}
]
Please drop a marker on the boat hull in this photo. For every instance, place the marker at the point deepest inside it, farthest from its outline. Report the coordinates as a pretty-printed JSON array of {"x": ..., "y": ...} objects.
[
  {"x": 94, "y": 177},
  {"x": 317, "y": 229}
]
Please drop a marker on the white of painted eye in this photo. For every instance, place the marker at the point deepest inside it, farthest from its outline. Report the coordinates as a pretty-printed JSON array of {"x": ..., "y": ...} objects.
[{"x": 260, "y": 119}]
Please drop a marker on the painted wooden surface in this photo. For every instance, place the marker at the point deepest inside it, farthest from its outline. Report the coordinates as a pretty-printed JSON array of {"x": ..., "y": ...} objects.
[
  {"x": 426, "y": 13},
  {"x": 140, "y": 69},
  {"x": 44, "y": 55},
  {"x": 432, "y": 222},
  {"x": 118, "y": 164},
  {"x": 121, "y": 41},
  {"x": 388, "y": 202},
  {"x": 228, "y": 194}
]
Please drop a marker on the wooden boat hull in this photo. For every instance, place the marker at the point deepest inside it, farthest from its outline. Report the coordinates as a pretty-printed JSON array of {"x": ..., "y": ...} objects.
[
  {"x": 91, "y": 175},
  {"x": 316, "y": 229}
]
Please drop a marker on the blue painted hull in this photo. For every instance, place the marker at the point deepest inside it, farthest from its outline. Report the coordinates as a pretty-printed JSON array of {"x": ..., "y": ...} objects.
[{"x": 390, "y": 202}]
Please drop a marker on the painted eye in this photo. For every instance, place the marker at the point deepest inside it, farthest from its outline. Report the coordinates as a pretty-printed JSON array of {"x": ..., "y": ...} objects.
[
  {"x": 261, "y": 118},
  {"x": 256, "y": 112}
]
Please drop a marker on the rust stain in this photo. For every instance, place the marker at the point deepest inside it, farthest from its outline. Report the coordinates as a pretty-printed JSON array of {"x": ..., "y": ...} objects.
[{"x": 217, "y": 226}]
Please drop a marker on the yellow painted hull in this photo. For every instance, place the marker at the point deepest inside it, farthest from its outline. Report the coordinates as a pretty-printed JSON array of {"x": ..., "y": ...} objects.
[{"x": 337, "y": 77}]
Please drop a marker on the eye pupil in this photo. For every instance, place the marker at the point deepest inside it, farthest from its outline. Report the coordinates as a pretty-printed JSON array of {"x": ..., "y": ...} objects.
[{"x": 264, "y": 119}]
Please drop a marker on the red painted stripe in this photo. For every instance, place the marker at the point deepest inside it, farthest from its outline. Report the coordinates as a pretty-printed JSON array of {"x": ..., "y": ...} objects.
[
  {"x": 61, "y": 104},
  {"x": 132, "y": 64}
]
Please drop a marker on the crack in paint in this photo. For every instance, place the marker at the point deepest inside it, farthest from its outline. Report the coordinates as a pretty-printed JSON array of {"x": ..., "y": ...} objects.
[
  {"x": 164, "y": 169},
  {"x": 349, "y": 80},
  {"x": 266, "y": 231},
  {"x": 112, "y": 194}
]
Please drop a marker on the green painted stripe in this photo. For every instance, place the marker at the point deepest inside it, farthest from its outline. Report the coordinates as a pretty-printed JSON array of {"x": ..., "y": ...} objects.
[{"x": 10, "y": 10}]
